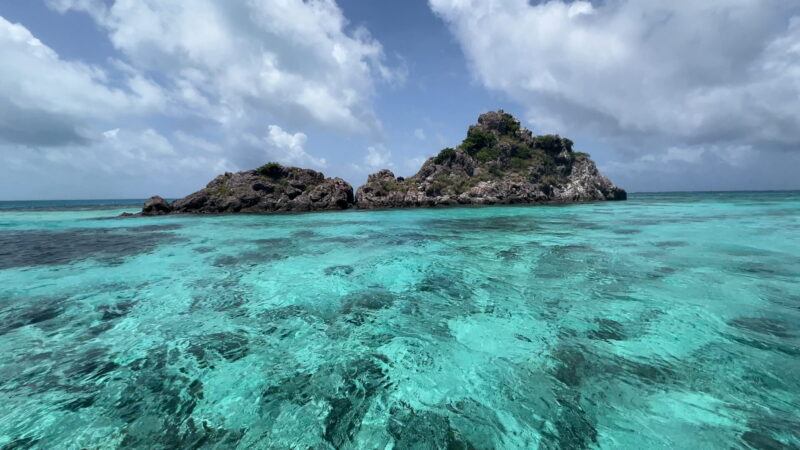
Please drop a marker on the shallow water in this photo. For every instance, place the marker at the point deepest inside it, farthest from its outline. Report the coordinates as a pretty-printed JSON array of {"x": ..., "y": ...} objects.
[{"x": 668, "y": 321}]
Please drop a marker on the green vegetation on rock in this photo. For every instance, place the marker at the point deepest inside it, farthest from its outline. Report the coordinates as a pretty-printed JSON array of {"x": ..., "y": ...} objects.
[
  {"x": 223, "y": 190},
  {"x": 445, "y": 155},
  {"x": 498, "y": 162},
  {"x": 478, "y": 140},
  {"x": 271, "y": 170},
  {"x": 552, "y": 143}
]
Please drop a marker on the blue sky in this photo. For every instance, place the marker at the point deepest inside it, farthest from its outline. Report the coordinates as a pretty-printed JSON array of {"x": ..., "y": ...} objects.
[{"x": 130, "y": 98}]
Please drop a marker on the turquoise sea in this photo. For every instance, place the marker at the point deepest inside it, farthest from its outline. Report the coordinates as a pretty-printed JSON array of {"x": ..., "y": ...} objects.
[{"x": 667, "y": 321}]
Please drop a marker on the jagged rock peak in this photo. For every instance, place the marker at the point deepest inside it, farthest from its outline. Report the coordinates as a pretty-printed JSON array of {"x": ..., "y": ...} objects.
[{"x": 499, "y": 162}]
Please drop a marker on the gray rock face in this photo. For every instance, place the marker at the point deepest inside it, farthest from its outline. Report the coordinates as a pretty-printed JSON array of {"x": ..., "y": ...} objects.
[
  {"x": 271, "y": 188},
  {"x": 156, "y": 206},
  {"x": 498, "y": 163}
]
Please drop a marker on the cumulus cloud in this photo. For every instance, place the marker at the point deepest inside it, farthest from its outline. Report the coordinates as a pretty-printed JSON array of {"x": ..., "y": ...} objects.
[
  {"x": 377, "y": 157},
  {"x": 193, "y": 86},
  {"x": 645, "y": 75},
  {"x": 289, "y": 59},
  {"x": 37, "y": 110},
  {"x": 288, "y": 148}
]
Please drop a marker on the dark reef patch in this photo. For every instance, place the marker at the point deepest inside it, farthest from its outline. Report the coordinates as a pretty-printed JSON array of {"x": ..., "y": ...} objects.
[
  {"x": 283, "y": 313},
  {"x": 361, "y": 306},
  {"x": 763, "y": 429},
  {"x": 358, "y": 382},
  {"x": 221, "y": 300},
  {"x": 151, "y": 228},
  {"x": 30, "y": 248},
  {"x": 78, "y": 403},
  {"x": 30, "y": 312},
  {"x": 115, "y": 311},
  {"x": 477, "y": 225},
  {"x": 21, "y": 443},
  {"x": 266, "y": 251},
  {"x": 647, "y": 373},
  {"x": 573, "y": 426},
  {"x": 248, "y": 258},
  {"x": 227, "y": 345},
  {"x": 412, "y": 428},
  {"x": 451, "y": 286},
  {"x": 671, "y": 244},
  {"x": 773, "y": 346},
  {"x": 369, "y": 300},
  {"x": 608, "y": 330},
  {"x": 304, "y": 234},
  {"x": 762, "y": 325},
  {"x": 339, "y": 270},
  {"x": 627, "y": 231},
  {"x": 762, "y": 441},
  {"x": 158, "y": 401},
  {"x": 342, "y": 421},
  {"x": 571, "y": 365},
  {"x": 93, "y": 364}
]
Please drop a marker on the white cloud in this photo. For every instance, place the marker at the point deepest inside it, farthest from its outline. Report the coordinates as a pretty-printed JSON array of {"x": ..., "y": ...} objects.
[
  {"x": 47, "y": 101},
  {"x": 209, "y": 75},
  {"x": 419, "y": 133},
  {"x": 111, "y": 134},
  {"x": 378, "y": 157},
  {"x": 288, "y": 148},
  {"x": 645, "y": 74},
  {"x": 253, "y": 60}
]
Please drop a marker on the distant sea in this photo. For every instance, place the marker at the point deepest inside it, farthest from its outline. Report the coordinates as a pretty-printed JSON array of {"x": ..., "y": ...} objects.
[{"x": 667, "y": 321}]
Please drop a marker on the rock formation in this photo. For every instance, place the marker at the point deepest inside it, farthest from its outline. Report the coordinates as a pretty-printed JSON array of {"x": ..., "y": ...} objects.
[
  {"x": 156, "y": 206},
  {"x": 498, "y": 163},
  {"x": 270, "y": 188}
]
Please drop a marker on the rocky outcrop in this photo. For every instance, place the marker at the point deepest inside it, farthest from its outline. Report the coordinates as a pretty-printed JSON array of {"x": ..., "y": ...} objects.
[
  {"x": 498, "y": 163},
  {"x": 156, "y": 206},
  {"x": 270, "y": 188}
]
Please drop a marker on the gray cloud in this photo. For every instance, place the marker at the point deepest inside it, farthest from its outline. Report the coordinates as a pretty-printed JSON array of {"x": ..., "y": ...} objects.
[{"x": 37, "y": 128}]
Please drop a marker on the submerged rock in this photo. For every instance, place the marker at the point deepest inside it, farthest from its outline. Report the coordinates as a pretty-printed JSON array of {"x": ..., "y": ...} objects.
[
  {"x": 498, "y": 163},
  {"x": 270, "y": 188}
]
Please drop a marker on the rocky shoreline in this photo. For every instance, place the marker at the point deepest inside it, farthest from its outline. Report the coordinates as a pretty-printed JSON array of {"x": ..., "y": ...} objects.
[{"x": 499, "y": 163}]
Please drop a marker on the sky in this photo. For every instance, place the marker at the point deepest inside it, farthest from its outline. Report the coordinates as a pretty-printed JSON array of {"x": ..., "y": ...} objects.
[{"x": 132, "y": 98}]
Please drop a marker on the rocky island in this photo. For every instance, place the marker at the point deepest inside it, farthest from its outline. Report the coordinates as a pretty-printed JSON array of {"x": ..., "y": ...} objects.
[
  {"x": 270, "y": 188},
  {"x": 499, "y": 162}
]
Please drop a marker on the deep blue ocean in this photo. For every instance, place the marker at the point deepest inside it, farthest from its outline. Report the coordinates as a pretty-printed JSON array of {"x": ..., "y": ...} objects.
[{"x": 667, "y": 321}]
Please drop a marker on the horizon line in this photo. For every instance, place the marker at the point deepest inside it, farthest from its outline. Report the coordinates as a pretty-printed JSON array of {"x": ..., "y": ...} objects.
[{"x": 721, "y": 191}]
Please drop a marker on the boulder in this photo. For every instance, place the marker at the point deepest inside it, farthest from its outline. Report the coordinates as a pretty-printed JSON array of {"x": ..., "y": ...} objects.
[{"x": 156, "y": 206}]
